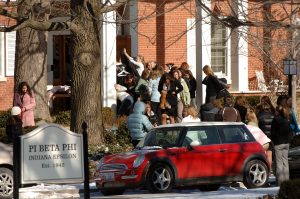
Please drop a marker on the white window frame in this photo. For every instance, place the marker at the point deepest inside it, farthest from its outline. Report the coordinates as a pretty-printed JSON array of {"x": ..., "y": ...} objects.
[
  {"x": 219, "y": 46},
  {"x": 10, "y": 52},
  {"x": 227, "y": 73},
  {"x": 2, "y": 57}
]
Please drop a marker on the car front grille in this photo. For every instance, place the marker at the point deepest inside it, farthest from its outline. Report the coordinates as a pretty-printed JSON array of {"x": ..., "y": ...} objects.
[{"x": 108, "y": 167}]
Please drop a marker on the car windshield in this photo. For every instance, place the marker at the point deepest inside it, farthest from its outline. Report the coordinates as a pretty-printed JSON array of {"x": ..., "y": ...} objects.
[{"x": 160, "y": 138}]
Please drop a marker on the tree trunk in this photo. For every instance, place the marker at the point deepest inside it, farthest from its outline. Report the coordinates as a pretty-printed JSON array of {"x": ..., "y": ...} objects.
[
  {"x": 31, "y": 65},
  {"x": 86, "y": 85}
]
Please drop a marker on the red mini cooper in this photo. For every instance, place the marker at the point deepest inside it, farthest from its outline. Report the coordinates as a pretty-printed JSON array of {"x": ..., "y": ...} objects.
[{"x": 202, "y": 155}]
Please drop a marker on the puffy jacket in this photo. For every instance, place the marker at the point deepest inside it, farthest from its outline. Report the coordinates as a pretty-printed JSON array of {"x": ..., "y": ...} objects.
[
  {"x": 153, "y": 88},
  {"x": 280, "y": 130},
  {"x": 138, "y": 123},
  {"x": 264, "y": 122}
]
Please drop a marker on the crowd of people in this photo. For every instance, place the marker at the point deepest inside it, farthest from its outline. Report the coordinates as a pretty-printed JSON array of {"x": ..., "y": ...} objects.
[{"x": 152, "y": 95}]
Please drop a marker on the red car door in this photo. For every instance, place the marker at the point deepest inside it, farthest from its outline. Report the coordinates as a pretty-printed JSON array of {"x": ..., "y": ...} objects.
[
  {"x": 236, "y": 147},
  {"x": 204, "y": 158}
]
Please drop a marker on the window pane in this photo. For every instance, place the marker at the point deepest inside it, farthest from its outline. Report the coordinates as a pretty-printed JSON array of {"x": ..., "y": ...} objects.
[
  {"x": 218, "y": 46},
  {"x": 202, "y": 135},
  {"x": 234, "y": 134}
]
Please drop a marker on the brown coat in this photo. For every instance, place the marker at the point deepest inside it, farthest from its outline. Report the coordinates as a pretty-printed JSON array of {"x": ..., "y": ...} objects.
[{"x": 230, "y": 114}]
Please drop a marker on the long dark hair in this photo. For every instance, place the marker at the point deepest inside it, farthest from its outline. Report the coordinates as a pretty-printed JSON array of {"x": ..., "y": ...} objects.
[{"x": 28, "y": 88}]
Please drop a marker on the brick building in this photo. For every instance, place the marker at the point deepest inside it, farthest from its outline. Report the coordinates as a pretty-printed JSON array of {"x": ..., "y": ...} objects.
[{"x": 175, "y": 31}]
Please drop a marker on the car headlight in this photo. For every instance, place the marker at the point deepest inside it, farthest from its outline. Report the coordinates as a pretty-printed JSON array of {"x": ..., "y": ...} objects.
[
  {"x": 99, "y": 164},
  {"x": 138, "y": 161}
]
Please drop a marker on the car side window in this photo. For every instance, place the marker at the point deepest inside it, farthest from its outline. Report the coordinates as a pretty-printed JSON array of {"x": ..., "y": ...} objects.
[
  {"x": 202, "y": 136},
  {"x": 234, "y": 134}
]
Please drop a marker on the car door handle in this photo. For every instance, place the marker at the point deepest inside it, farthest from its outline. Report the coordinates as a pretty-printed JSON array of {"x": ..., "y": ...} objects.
[{"x": 223, "y": 150}]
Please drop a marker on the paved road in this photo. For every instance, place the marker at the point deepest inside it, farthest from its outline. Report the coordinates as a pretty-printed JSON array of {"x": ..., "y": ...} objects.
[{"x": 223, "y": 193}]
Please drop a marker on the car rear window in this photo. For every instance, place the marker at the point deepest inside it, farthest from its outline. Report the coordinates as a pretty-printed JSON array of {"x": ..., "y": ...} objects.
[{"x": 234, "y": 134}]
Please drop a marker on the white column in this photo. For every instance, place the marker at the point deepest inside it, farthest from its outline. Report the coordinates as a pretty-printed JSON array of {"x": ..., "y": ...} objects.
[
  {"x": 239, "y": 53},
  {"x": 203, "y": 48},
  {"x": 191, "y": 45},
  {"x": 108, "y": 60}
]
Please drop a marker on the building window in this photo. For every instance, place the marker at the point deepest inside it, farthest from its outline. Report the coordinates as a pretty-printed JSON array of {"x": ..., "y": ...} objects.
[
  {"x": 218, "y": 46},
  {"x": 2, "y": 64}
]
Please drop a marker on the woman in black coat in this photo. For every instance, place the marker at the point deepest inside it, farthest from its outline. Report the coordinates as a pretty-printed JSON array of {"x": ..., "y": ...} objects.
[
  {"x": 213, "y": 86},
  {"x": 280, "y": 136},
  {"x": 169, "y": 89}
]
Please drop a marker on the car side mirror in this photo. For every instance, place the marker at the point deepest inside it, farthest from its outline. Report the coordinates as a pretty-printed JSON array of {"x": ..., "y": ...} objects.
[{"x": 193, "y": 144}]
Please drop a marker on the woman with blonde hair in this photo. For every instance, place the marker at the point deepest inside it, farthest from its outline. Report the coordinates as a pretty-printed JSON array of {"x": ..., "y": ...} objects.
[
  {"x": 213, "y": 86},
  {"x": 192, "y": 115},
  {"x": 258, "y": 134}
]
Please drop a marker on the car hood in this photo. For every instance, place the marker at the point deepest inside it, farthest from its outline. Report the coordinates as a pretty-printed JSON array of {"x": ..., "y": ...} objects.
[
  {"x": 6, "y": 153},
  {"x": 126, "y": 157}
]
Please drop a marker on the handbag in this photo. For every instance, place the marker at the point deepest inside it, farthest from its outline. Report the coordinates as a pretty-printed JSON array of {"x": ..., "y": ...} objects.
[{"x": 223, "y": 93}]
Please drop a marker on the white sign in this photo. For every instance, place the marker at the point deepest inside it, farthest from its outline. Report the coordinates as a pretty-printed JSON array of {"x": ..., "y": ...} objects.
[{"x": 51, "y": 153}]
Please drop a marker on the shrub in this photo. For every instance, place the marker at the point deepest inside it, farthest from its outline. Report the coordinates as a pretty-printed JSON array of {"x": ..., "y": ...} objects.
[
  {"x": 63, "y": 117},
  {"x": 289, "y": 189},
  {"x": 253, "y": 101},
  {"x": 4, "y": 115}
]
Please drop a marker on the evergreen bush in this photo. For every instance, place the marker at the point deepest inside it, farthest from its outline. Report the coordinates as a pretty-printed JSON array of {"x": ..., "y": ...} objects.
[{"x": 63, "y": 118}]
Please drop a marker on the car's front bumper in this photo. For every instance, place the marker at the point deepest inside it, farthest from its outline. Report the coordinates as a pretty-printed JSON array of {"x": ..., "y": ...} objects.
[{"x": 131, "y": 178}]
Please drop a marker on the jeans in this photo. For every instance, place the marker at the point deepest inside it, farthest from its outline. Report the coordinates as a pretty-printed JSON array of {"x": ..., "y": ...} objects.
[{"x": 282, "y": 163}]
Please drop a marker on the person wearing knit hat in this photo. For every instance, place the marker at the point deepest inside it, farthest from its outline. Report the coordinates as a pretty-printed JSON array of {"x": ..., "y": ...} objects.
[
  {"x": 15, "y": 110},
  {"x": 13, "y": 125}
]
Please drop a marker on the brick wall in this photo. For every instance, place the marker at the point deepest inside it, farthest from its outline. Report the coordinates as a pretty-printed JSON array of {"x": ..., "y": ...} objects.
[
  {"x": 163, "y": 38},
  {"x": 6, "y": 93}
]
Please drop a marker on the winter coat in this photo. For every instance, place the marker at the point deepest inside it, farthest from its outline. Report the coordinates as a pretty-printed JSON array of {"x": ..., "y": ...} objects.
[
  {"x": 213, "y": 86},
  {"x": 29, "y": 104},
  {"x": 174, "y": 86},
  {"x": 185, "y": 93},
  {"x": 243, "y": 111},
  {"x": 229, "y": 114},
  {"x": 12, "y": 127},
  {"x": 280, "y": 130},
  {"x": 193, "y": 87},
  {"x": 153, "y": 89},
  {"x": 294, "y": 124},
  {"x": 264, "y": 121},
  {"x": 258, "y": 134},
  {"x": 138, "y": 123}
]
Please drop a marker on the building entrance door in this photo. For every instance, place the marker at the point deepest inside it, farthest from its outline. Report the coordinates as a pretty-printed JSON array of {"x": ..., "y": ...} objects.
[{"x": 61, "y": 60}]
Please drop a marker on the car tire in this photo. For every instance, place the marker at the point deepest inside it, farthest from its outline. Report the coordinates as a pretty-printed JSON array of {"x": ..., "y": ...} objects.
[
  {"x": 209, "y": 187},
  {"x": 6, "y": 183},
  {"x": 256, "y": 174},
  {"x": 112, "y": 192},
  {"x": 160, "y": 179}
]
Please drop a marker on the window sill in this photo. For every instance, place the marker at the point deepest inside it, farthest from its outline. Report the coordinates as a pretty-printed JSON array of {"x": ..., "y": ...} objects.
[{"x": 3, "y": 79}]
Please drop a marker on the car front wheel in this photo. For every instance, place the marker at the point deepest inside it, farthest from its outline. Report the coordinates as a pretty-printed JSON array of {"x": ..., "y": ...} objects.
[
  {"x": 160, "y": 179},
  {"x": 6, "y": 183},
  {"x": 256, "y": 174}
]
